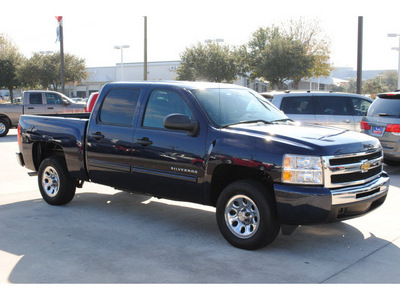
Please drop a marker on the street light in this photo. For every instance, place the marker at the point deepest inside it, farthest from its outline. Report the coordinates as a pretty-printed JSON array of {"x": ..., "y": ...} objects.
[
  {"x": 208, "y": 41},
  {"x": 398, "y": 50},
  {"x": 122, "y": 58}
]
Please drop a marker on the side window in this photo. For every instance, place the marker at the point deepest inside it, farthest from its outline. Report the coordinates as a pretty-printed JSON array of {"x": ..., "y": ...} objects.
[
  {"x": 53, "y": 98},
  {"x": 298, "y": 105},
  {"x": 332, "y": 105},
  {"x": 119, "y": 107},
  {"x": 162, "y": 103},
  {"x": 35, "y": 98},
  {"x": 360, "y": 106}
]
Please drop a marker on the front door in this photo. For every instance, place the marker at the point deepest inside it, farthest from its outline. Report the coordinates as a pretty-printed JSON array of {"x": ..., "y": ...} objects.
[{"x": 169, "y": 163}]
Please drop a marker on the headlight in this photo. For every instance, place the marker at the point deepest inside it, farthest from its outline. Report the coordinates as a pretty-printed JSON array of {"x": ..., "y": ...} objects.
[{"x": 299, "y": 169}]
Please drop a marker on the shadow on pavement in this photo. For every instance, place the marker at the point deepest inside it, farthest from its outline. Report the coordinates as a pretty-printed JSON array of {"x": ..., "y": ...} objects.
[{"x": 126, "y": 238}]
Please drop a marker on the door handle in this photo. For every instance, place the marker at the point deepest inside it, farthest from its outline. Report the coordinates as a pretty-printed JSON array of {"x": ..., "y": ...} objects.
[
  {"x": 50, "y": 108},
  {"x": 144, "y": 141},
  {"x": 97, "y": 135},
  {"x": 346, "y": 121}
]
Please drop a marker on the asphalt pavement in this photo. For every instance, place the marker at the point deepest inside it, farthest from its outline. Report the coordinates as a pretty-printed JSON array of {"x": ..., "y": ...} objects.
[{"x": 109, "y": 236}]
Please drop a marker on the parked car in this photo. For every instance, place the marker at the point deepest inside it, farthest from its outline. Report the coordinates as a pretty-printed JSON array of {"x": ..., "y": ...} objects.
[
  {"x": 215, "y": 144},
  {"x": 341, "y": 110},
  {"x": 383, "y": 122},
  {"x": 91, "y": 101},
  {"x": 36, "y": 102}
]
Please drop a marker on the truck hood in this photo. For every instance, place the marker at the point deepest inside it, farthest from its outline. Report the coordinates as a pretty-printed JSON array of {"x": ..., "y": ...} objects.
[{"x": 309, "y": 139}]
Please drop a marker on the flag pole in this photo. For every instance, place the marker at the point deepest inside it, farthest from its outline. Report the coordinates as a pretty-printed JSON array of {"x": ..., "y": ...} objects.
[{"x": 60, "y": 26}]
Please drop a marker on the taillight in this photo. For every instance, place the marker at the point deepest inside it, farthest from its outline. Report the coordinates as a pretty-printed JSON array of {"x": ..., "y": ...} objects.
[
  {"x": 393, "y": 128},
  {"x": 19, "y": 135},
  {"x": 364, "y": 125}
]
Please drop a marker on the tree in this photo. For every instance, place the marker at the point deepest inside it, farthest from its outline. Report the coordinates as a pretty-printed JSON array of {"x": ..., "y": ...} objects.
[
  {"x": 10, "y": 59},
  {"x": 277, "y": 57},
  {"x": 209, "y": 62},
  {"x": 310, "y": 34},
  {"x": 292, "y": 51},
  {"x": 44, "y": 71}
]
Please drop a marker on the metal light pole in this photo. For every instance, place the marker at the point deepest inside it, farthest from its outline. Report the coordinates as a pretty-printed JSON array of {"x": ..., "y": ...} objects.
[
  {"x": 145, "y": 50},
  {"x": 398, "y": 50},
  {"x": 122, "y": 58}
]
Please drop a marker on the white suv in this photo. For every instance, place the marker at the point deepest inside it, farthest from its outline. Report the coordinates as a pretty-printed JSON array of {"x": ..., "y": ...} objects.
[{"x": 324, "y": 108}]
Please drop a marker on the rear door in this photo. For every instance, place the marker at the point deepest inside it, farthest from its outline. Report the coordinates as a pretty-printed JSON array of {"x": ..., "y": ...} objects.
[
  {"x": 109, "y": 138},
  {"x": 35, "y": 104},
  {"x": 299, "y": 108}
]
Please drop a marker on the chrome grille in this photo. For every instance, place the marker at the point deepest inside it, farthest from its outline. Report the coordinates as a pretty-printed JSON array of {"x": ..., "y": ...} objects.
[{"x": 352, "y": 169}]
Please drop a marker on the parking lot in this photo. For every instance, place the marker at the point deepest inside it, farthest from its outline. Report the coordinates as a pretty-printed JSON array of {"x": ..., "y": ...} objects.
[{"x": 109, "y": 236}]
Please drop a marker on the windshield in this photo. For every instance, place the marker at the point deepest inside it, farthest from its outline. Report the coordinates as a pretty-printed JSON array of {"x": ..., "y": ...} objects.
[{"x": 233, "y": 106}]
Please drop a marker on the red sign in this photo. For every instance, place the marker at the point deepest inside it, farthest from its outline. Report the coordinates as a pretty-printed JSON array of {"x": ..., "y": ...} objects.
[{"x": 59, "y": 18}]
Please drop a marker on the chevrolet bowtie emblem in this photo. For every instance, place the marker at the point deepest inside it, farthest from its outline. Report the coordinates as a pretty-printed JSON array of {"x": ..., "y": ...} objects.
[{"x": 365, "y": 166}]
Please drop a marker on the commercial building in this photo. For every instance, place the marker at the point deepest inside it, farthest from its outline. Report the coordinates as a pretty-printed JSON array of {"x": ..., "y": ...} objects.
[{"x": 167, "y": 70}]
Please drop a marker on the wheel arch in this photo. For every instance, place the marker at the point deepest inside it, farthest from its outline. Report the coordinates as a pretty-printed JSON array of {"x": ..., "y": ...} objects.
[
  {"x": 43, "y": 150},
  {"x": 225, "y": 174}
]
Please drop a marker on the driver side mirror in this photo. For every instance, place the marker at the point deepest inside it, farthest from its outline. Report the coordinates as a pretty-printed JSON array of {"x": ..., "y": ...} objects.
[{"x": 181, "y": 122}]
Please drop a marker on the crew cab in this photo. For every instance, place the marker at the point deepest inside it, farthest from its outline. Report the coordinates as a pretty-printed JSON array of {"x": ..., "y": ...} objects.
[
  {"x": 215, "y": 144},
  {"x": 36, "y": 102}
]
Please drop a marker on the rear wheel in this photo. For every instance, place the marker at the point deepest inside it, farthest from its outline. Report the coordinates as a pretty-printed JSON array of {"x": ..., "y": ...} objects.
[
  {"x": 4, "y": 127},
  {"x": 246, "y": 215},
  {"x": 55, "y": 184}
]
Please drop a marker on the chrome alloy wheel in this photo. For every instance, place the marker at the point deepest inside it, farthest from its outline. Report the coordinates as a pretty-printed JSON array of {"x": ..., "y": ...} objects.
[
  {"x": 50, "y": 181},
  {"x": 242, "y": 216},
  {"x": 2, "y": 128}
]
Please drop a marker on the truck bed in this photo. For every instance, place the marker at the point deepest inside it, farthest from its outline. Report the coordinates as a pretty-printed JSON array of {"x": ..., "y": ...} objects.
[{"x": 65, "y": 130}]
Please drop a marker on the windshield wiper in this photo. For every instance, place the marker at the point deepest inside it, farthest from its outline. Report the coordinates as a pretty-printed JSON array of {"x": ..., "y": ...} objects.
[
  {"x": 386, "y": 115},
  {"x": 247, "y": 122},
  {"x": 282, "y": 120}
]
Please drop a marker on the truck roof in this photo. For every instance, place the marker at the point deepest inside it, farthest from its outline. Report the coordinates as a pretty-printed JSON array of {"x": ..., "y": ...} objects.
[{"x": 184, "y": 84}]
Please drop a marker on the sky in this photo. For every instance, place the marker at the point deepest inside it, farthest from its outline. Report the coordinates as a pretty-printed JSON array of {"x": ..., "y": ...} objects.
[{"x": 93, "y": 28}]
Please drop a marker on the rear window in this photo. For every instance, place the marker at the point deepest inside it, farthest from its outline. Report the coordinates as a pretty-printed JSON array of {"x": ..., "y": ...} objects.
[
  {"x": 384, "y": 107},
  {"x": 298, "y": 105}
]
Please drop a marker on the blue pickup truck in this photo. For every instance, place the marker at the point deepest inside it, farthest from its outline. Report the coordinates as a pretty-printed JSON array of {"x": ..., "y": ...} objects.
[{"x": 215, "y": 144}]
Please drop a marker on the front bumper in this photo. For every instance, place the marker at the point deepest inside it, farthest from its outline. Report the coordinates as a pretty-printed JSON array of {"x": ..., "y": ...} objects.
[{"x": 300, "y": 205}]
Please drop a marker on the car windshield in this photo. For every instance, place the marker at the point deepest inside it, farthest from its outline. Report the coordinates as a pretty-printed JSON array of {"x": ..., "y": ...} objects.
[
  {"x": 384, "y": 108},
  {"x": 227, "y": 107}
]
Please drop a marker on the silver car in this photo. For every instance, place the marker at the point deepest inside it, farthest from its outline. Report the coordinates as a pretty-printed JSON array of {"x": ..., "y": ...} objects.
[
  {"x": 343, "y": 110},
  {"x": 383, "y": 122}
]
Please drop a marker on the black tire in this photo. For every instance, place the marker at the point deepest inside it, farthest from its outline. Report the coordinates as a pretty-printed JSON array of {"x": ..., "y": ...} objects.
[
  {"x": 4, "y": 127},
  {"x": 55, "y": 184},
  {"x": 246, "y": 215}
]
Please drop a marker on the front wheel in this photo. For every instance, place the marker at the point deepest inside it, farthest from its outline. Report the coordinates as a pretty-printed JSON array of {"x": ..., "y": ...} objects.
[
  {"x": 246, "y": 215},
  {"x": 55, "y": 184}
]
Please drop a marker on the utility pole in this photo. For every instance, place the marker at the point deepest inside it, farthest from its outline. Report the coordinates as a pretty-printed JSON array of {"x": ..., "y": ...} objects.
[
  {"x": 359, "y": 54},
  {"x": 145, "y": 50},
  {"x": 61, "y": 39}
]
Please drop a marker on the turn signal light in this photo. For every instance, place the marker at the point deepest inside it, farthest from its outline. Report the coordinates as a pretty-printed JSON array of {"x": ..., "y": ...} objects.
[{"x": 364, "y": 125}]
